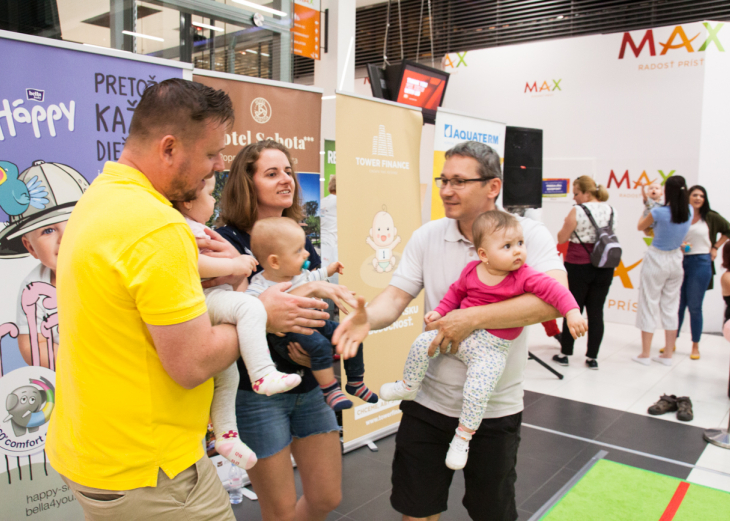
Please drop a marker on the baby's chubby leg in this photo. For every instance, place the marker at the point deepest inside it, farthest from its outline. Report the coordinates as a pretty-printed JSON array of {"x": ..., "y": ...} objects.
[
  {"x": 248, "y": 314},
  {"x": 223, "y": 414},
  {"x": 414, "y": 371},
  {"x": 485, "y": 356}
]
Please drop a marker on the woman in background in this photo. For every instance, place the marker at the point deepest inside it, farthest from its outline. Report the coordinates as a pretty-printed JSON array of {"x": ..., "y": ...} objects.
[
  {"x": 661, "y": 269},
  {"x": 588, "y": 284},
  {"x": 328, "y": 227},
  {"x": 701, "y": 246}
]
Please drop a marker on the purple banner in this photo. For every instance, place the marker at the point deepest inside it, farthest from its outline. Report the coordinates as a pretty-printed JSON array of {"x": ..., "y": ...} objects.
[{"x": 65, "y": 107}]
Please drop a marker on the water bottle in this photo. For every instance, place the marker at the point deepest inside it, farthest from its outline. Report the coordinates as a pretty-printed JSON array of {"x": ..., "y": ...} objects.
[{"x": 235, "y": 477}]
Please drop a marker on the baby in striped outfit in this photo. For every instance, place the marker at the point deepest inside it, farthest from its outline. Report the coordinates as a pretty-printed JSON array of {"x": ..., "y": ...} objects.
[
  {"x": 499, "y": 274},
  {"x": 278, "y": 244}
]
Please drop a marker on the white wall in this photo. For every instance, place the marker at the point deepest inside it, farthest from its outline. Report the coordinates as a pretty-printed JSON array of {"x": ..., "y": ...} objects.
[{"x": 610, "y": 114}]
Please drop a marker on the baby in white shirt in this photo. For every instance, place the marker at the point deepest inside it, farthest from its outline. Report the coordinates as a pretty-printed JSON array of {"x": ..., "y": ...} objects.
[{"x": 226, "y": 306}]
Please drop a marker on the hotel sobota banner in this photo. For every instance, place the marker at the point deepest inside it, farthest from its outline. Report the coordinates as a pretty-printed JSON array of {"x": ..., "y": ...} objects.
[
  {"x": 378, "y": 199},
  {"x": 286, "y": 113},
  {"x": 64, "y": 111},
  {"x": 453, "y": 128}
]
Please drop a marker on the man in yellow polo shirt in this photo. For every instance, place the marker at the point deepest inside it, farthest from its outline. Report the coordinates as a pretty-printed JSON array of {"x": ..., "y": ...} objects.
[{"x": 134, "y": 375}]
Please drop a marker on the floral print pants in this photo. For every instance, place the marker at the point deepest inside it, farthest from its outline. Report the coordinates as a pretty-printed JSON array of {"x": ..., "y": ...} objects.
[{"x": 485, "y": 356}]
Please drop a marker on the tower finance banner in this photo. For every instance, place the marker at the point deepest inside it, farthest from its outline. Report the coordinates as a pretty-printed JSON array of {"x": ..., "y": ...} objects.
[
  {"x": 64, "y": 111},
  {"x": 453, "y": 128},
  {"x": 378, "y": 198}
]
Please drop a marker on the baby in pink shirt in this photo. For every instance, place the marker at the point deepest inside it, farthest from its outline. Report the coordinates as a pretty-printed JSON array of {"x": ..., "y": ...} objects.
[{"x": 499, "y": 274}]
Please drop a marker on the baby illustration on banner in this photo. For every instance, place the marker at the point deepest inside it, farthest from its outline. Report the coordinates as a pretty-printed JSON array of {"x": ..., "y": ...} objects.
[
  {"x": 383, "y": 238},
  {"x": 38, "y": 203}
]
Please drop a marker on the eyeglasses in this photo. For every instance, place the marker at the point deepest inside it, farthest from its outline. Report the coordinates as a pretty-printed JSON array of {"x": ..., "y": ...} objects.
[{"x": 456, "y": 183}]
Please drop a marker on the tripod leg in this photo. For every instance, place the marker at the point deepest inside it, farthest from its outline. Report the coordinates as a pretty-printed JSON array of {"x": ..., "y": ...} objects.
[{"x": 546, "y": 366}]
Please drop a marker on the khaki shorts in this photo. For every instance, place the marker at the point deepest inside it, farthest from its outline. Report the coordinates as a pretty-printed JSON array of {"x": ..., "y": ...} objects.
[{"x": 194, "y": 494}]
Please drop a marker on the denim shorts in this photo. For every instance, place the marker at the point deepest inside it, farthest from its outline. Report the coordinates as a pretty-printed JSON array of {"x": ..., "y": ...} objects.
[{"x": 267, "y": 424}]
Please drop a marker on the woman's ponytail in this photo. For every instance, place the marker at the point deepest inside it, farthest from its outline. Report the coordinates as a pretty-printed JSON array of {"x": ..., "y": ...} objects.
[{"x": 601, "y": 193}]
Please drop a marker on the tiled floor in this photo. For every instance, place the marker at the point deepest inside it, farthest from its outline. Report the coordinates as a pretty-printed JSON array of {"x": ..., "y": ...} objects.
[{"x": 606, "y": 406}]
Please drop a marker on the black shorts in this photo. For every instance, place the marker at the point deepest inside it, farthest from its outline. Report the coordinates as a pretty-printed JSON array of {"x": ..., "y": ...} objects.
[{"x": 421, "y": 479}]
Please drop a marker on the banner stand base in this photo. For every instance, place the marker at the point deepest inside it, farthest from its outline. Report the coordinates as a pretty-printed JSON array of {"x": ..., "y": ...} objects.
[{"x": 370, "y": 439}]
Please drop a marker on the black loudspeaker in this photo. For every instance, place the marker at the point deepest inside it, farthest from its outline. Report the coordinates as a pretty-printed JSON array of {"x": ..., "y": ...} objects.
[{"x": 522, "y": 168}]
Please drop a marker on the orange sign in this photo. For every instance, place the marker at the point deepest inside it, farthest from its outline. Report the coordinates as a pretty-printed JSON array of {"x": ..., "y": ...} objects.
[{"x": 306, "y": 34}]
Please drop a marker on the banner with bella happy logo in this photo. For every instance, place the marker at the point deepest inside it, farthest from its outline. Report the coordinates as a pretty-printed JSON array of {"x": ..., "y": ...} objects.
[
  {"x": 65, "y": 110},
  {"x": 378, "y": 199}
]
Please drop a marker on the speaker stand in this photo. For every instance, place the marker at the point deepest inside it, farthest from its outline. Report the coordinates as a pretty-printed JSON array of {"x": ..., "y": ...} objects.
[
  {"x": 719, "y": 437},
  {"x": 546, "y": 366}
]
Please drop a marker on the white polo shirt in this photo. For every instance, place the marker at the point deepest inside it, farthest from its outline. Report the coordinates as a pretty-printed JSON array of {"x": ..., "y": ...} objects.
[{"x": 433, "y": 260}]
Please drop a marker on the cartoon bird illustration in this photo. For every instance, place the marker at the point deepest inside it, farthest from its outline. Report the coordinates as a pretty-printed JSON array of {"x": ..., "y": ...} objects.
[{"x": 15, "y": 195}]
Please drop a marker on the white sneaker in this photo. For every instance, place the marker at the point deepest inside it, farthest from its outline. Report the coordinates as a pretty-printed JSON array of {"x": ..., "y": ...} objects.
[
  {"x": 398, "y": 391},
  {"x": 642, "y": 361},
  {"x": 662, "y": 360},
  {"x": 458, "y": 453}
]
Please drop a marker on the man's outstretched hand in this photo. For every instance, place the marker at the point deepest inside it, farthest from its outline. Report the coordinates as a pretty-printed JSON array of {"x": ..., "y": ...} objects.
[{"x": 352, "y": 331}]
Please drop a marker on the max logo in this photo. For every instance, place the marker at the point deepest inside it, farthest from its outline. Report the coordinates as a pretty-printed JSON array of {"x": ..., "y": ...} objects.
[
  {"x": 544, "y": 87},
  {"x": 677, "y": 34},
  {"x": 34, "y": 94},
  {"x": 642, "y": 179},
  {"x": 460, "y": 60},
  {"x": 622, "y": 272}
]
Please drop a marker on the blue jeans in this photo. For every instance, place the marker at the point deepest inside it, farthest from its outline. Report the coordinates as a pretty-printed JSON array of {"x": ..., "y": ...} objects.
[
  {"x": 319, "y": 347},
  {"x": 697, "y": 276},
  {"x": 267, "y": 424}
]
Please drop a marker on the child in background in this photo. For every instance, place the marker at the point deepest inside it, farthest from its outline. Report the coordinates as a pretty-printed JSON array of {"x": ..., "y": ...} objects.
[
  {"x": 226, "y": 306},
  {"x": 652, "y": 197},
  {"x": 278, "y": 243},
  {"x": 500, "y": 274}
]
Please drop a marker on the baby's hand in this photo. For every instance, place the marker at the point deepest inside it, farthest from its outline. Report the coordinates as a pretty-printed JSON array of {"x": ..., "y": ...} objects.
[
  {"x": 335, "y": 267},
  {"x": 244, "y": 265},
  {"x": 576, "y": 323},
  {"x": 431, "y": 316}
]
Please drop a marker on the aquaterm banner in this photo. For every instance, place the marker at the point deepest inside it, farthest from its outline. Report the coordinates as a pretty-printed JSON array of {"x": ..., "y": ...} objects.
[
  {"x": 64, "y": 111},
  {"x": 378, "y": 199},
  {"x": 453, "y": 128}
]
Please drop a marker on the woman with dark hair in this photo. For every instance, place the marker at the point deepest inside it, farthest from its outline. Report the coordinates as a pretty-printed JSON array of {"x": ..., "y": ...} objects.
[
  {"x": 299, "y": 423},
  {"x": 701, "y": 246},
  {"x": 725, "y": 280},
  {"x": 661, "y": 270}
]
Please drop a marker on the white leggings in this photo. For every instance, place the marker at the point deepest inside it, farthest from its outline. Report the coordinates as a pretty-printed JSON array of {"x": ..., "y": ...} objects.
[{"x": 248, "y": 314}]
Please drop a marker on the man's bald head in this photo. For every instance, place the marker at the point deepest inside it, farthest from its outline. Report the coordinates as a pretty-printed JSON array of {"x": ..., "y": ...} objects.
[{"x": 270, "y": 236}]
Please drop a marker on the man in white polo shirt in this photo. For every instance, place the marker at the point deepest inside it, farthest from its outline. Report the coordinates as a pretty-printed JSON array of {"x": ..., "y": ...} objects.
[{"x": 432, "y": 260}]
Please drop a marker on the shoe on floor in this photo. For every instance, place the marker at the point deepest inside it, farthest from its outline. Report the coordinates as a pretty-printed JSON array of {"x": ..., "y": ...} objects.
[
  {"x": 398, "y": 391},
  {"x": 642, "y": 361},
  {"x": 667, "y": 403},
  {"x": 458, "y": 453},
  {"x": 662, "y": 360},
  {"x": 662, "y": 349},
  {"x": 694, "y": 356},
  {"x": 562, "y": 360},
  {"x": 592, "y": 363},
  {"x": 684, "y": 409}
]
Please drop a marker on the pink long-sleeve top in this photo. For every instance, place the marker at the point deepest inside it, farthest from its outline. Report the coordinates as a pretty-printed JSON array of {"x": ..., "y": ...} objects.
[{"x": 469, "y": 291}]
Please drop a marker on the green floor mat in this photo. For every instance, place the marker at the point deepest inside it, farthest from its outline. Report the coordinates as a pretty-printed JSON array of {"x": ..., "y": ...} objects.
[{"x": 611, "y": 491}]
